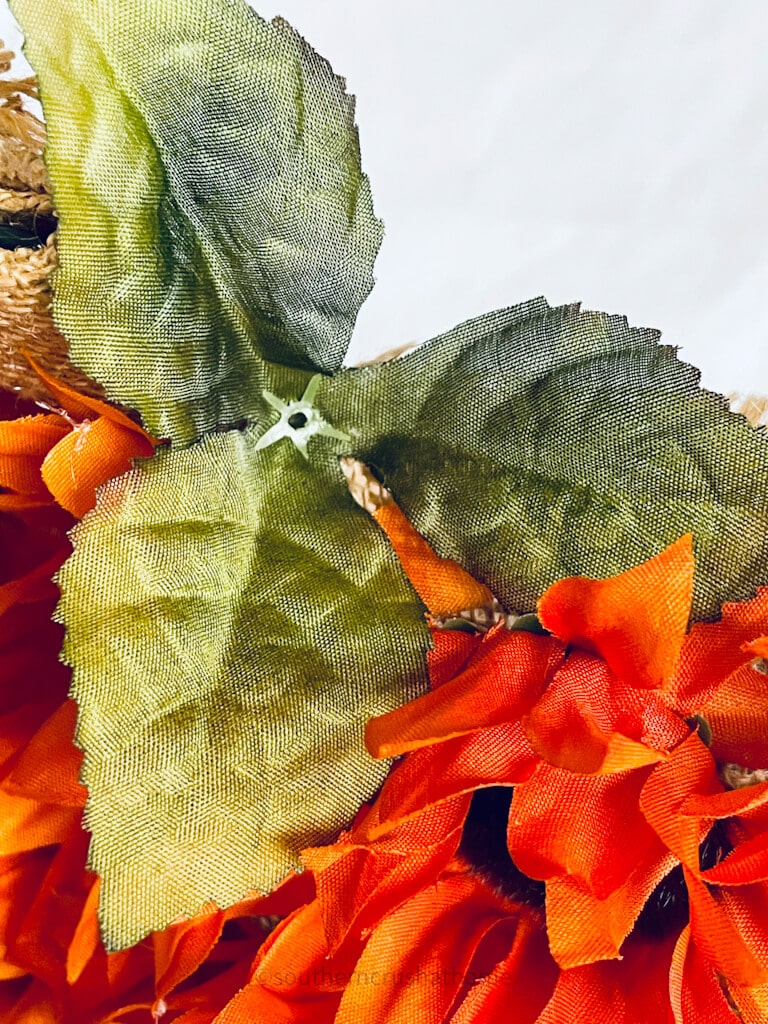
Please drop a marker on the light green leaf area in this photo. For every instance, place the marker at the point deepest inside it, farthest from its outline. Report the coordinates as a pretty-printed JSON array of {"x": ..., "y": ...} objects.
[
  {"x": 233, "y": 619},
  {"x": 213, "y": 211},
  {"x": 536, "y": 443}
]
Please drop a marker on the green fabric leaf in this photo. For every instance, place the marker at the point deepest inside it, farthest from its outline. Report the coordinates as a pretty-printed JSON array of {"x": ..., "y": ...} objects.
[
  {"x": 214, "y": 214},
  {"x": 233, "y": 619},
  {"x": 537, "y": 443}
]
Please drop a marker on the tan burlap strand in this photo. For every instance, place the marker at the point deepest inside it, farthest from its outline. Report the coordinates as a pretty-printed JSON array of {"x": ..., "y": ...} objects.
[{"x": 26, "y": 322}]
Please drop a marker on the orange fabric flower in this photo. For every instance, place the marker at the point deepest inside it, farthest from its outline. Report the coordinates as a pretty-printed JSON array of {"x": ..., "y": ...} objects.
[{"x": 613, "y": 783}]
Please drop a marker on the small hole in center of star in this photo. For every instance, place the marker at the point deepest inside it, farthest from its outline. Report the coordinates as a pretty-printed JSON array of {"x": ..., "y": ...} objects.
[{"x": 297, "y": 421}]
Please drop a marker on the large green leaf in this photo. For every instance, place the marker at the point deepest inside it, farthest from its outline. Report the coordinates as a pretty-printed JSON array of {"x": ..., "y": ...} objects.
[
  {"x": 233, "y": 619},
  {"x": 213, "y": 212},
  {"x": 536, "y": 443}
]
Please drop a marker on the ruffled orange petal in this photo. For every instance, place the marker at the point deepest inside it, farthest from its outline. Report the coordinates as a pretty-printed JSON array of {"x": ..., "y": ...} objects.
[
  {"x": 29, "y": 824},
  {"x": 24, "y": 443},
  {"x": 695, "y": 991},
  {"x": 16, "y": 727},
  {"x": 49, "y": 767},
  {"x": 181, "y": 948},
  {"x": 748, "y": 863},
  {"x": 758, "y": 648},
  {"x": 636, "y": 621},
  {"x": 20, "y": 879},
  {"x": 588, "y": 827},
  {"x": 729, "y": 927},
  {"x": 452, "y": 649},
  {"x": 35, "y": 586},
  {"x": 82, "y": 407},
  {"x": 357, "y": 885},
  {"x": 752, "y": 1003},
  {"x": 444, "y": 587},
  {"x": 575, "y": 724},
  {"x": 736, "y": 714},
  {"x": 87, "y": 457},
  {"x": 30, "y": 1004},
  {"x": 727, "y": 803},
  {"x": 42, "y": 941},
  {"x": 520, "y": 985},
  {"x": 633, "y": 990},
  {"x": 86, "y": 939},
  {"x": 430, "y": 942},
  {"x": 500, "y": 756},
  {"x": 689, "y": 770},
  {"x": 713, "y": 650},
  {"x": 583, "y": 929},
  {"x": 292, "y": 981},
  {"x": 495, "y": 688}
]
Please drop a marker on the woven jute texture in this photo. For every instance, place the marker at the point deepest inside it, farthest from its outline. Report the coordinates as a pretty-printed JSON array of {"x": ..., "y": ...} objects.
[{"x": 26, "y": 322}]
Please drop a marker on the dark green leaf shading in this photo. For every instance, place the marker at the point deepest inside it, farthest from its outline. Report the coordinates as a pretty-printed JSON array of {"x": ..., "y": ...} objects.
[
  {"x": 537, "y": 443},
  {"x": 214, "y": 214}
]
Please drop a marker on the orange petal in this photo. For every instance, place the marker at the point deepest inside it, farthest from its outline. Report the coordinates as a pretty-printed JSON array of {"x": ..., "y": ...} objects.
[
  {"x": 451, "y": 651},
  {"x": 444, "y": 587},
  {"x": 294, "y": 891},
  {"x": 181, "y": 948},
  {"x": 633, "y": 990},
  {"x": 48, "y": 769},
  {"x": 636, "y": 621},
  {"x": 24, "y": 443},
  {"x": 276, "y": 994},
  {"x": 694, "y": 988},
  {"x": 587, "y": 827},
  {"x": 729, "y": 927},
  {"x": 583, "y": 929},
  {"x": 22, "y": 502},
  {"x": 726, "y": 804},
  {"x": 752, "y": 1003},
  {"x": 758, "y": 647},
  {"x": 434, "y": 935},
  {"x": 89, "y": 456},
  {"x": 35, "y": 1005},
  {"x": 496, "y": 687},
  {"x": 86, "y": 939},
  {"x": 46, "y": 932},
  {"x": 748, "y": 863},
  {"x": 519, "y": 986},
  {"x": 358, "y": 885},
  {"x": 82, "y": 407},
  {"x": 736, "y": 714},
  {"x": 575, "y": 724},
  {"x": 500, "y": 756},
  {"x": 17, "y": 726},
  {"x": 20, "y": 879},
  {"x": 690, "y": 769},
  {"x": 29, "y": 824},
  {"x": 713, "y": 650},
  {"x": 35, "y": 586}
]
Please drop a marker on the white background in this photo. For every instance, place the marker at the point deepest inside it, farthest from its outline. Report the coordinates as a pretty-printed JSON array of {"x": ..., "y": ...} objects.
[{"x": 615, "y": 153}]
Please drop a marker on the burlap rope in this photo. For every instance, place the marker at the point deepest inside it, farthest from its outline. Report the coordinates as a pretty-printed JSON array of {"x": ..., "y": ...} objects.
[{"x": 26, "y": 322}]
